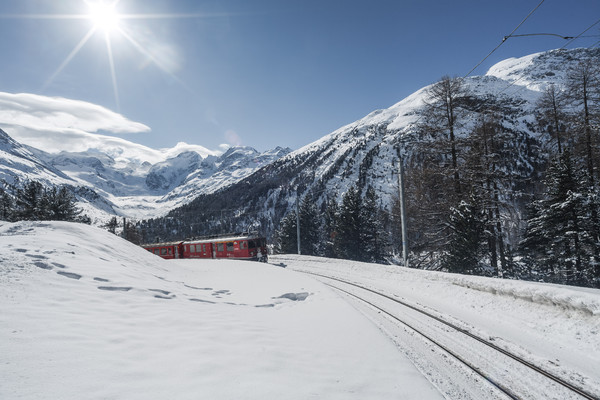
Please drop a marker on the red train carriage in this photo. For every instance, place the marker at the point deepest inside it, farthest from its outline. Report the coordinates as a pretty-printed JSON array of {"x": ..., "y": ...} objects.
[
  {"x": 242, "y": 247},
  {"x": 168, "y": 250}
]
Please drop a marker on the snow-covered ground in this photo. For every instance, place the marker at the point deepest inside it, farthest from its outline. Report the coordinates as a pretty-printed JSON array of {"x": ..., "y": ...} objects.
[{"x": 86, "y": 315}]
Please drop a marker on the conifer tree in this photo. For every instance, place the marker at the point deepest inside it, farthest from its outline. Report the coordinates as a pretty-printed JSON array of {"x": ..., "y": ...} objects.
[
  {"x": 329, "y": 230},
  {"x": 444, "y": 114},
  {"x": 348, "y": 240},
  {"x": 309, "y": 227},
  {"x": 31, "y": 202},
  {"x": 551, "y": 115},
  {"x": 465, "y": 247},
  {"x": 286, "y": 236},
  {"x": 112, "y": 225},
  {"x": 6, "y": 206},
  {"x": 487, "y": 160},
  {"x": 62, "y": 205},
  {"x": 372, "y": 238},
  {"x": 556, "y": 239}
]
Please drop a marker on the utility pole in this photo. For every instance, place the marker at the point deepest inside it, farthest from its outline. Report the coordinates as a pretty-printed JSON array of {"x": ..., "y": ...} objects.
[
  {"x": 402, "y": 211},
  {"x": 298, "y": 220}
]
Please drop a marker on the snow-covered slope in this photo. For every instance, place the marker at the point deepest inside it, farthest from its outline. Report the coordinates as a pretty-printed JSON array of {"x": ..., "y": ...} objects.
[
  {"x": 17, "y": 163},
  {"x": 365, "y": 152},
  {"x": 87, "y": 315}
]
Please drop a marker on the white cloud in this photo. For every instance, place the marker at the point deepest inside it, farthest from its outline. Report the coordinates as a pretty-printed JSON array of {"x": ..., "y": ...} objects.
[
  {"x": 56, "y": 124},
  {"x": 57, "y": 114}
]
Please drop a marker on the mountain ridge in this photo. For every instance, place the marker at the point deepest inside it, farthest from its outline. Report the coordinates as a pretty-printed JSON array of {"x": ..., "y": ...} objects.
[{"x": 364, "y": 152}]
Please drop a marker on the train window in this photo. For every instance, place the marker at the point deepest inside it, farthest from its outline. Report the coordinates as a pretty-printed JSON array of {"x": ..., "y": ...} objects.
[
  {"x": 229, "y": 246},
  {"x": 251, "y": 244},
  {"x": 157, "y": 252},
  {"x": 170, "y": 250},
  {"x": 242, "y": 245},
  {"x": 204, "y": 248},
  {"x": 220, "y": 247},
  {"x": 163, "y": 251}
]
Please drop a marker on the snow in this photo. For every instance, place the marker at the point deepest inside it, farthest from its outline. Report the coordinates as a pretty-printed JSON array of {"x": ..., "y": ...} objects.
[
  {"x": 87, "y": 315},
  {"x": 553, "y": 325}
]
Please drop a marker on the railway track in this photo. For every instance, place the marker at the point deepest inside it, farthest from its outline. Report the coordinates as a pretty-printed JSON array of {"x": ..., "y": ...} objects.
[{"x": 508, "y": 373}]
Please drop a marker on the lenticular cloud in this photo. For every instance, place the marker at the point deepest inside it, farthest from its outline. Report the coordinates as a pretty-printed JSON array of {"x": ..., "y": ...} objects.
[{"x": 56, "y": 123}]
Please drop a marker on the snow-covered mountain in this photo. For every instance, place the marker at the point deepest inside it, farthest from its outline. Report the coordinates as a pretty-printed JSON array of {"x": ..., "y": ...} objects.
[
  {"x": 18, "y": 163},
  {"x": 366, "y": 151},
  {"x": 108, "y": 184},
  {"x": 262, "y": 187}
]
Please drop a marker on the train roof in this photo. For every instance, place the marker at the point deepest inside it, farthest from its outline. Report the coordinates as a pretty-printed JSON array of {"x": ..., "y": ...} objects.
[
  {"x": 223, "y": 238},
  {"x": 162, "y": 244},
  {"x": 227, "y": 237}
]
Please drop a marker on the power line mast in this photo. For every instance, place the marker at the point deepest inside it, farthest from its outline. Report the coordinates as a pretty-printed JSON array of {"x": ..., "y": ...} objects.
[
  {"x": 402, "y": 211},
  {"x": 298, "y": 220}
]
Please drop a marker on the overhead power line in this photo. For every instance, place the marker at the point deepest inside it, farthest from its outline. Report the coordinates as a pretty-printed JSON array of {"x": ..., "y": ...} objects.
[
  {"x": 504, "y": 39},
  {"x": 581, "y": 34},
  {"x": 539, "y": 34}
]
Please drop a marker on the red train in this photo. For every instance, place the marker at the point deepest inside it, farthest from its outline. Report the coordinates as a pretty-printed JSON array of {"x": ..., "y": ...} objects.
[{"x": 240, "y": 247}]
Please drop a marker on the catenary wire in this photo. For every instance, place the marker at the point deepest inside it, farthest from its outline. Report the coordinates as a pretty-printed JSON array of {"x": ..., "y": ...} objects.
[{"x": 504, "y": 39}]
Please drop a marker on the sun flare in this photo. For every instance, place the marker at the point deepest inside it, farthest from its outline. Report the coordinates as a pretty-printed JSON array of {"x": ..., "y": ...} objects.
[{"x": 104, "y": 16}]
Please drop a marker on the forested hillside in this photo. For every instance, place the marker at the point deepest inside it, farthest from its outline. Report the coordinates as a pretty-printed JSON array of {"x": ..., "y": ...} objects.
[{"x": 501, "y": 179}]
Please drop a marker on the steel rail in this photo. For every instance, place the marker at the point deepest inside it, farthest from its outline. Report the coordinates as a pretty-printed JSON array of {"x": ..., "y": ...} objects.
[
  {"x": 581, "y": 392},
  {"x": 472, "y": 367}
]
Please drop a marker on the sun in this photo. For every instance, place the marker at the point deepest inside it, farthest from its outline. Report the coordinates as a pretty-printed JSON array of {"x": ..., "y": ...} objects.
[
  {"x": 104, "y": 16},
  {"x": 107, "y": 21}
]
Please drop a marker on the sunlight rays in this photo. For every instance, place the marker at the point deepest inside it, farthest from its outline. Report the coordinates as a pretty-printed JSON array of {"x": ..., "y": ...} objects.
[
  {"x": 152, "y": 58},
  {"x": 113, "y": 74},
  {"x": 68, "y": 59},
  {"x": 105, "y": 18}
]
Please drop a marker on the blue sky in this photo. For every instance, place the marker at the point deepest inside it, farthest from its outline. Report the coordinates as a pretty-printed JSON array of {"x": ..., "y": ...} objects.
[{"x": 261, "y": 73}]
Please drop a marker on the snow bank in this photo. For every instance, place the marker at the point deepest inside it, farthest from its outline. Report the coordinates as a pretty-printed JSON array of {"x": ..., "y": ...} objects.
[
  {"x": 586, "y": 300},
  {"x": 567, "y": 297},
  {"x": 87, "y": 315}
]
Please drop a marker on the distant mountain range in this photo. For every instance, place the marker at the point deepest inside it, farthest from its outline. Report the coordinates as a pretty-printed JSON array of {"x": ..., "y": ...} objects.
[{"x": 107, "y": 185}]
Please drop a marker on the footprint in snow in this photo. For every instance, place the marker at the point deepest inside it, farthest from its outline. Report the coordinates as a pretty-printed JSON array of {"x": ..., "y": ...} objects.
[
  {"x": 42, "y": 265},
  {"x": 293, "y": 296},
  {"x": 164, "y": 294},
  {"x": 69, "y": 275},
  {"x": 203, "y": 301},
  {"x": 115, "y": 288},
  {"x": 37, "y": 256},
  {"x": 198, "y": 288}
]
